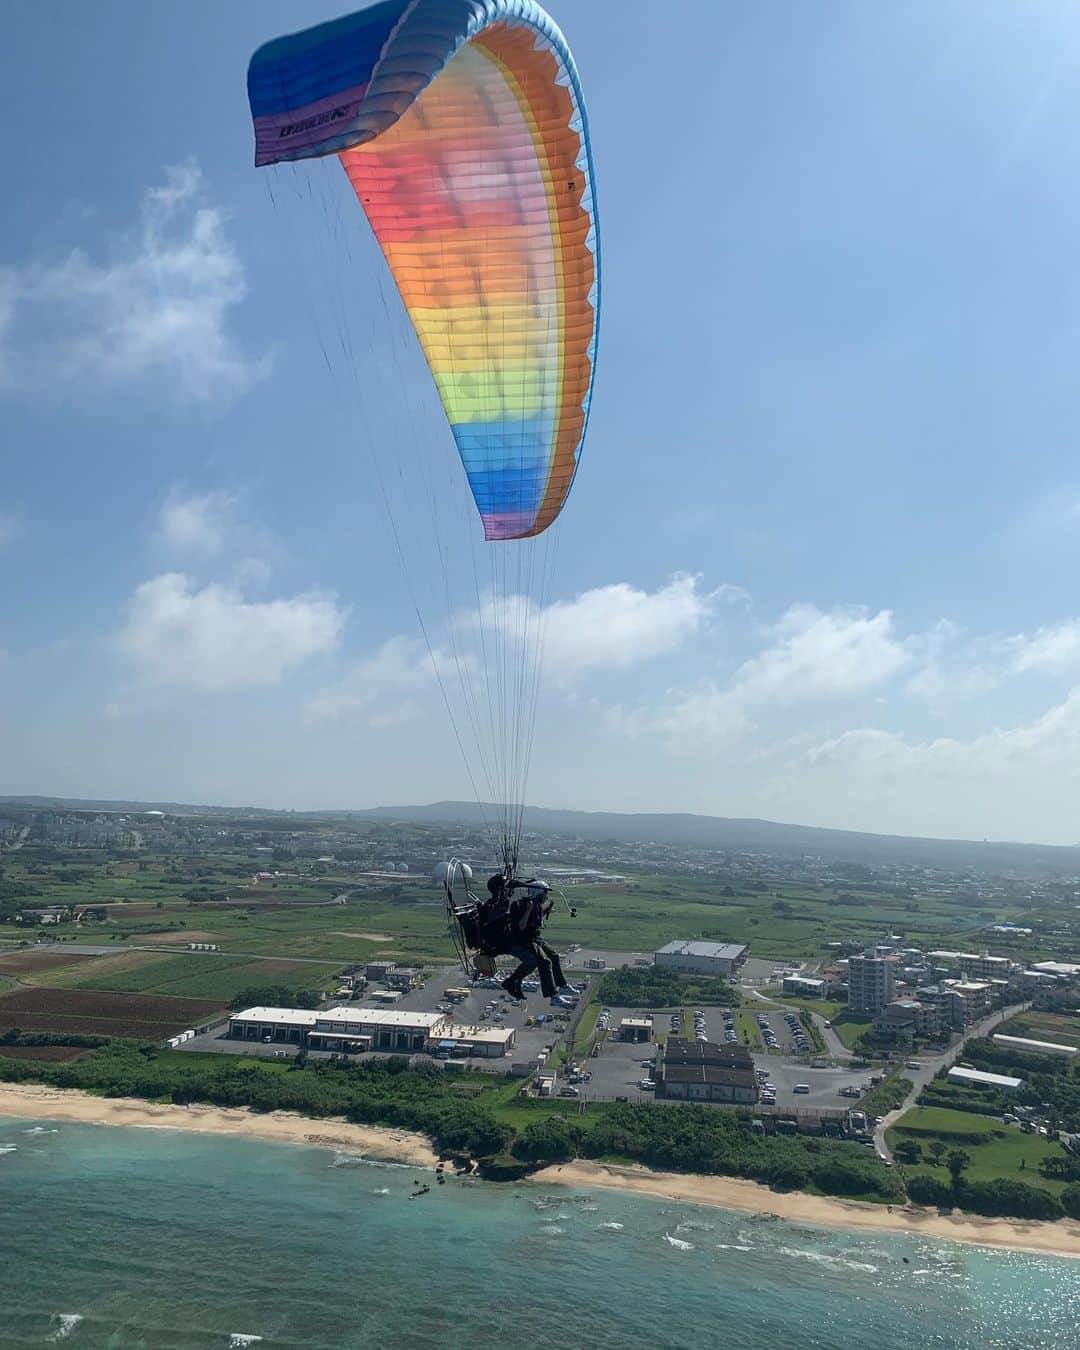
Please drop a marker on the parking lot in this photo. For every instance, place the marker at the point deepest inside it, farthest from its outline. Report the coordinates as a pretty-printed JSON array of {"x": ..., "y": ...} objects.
[{"x": 472, "y": 1011}]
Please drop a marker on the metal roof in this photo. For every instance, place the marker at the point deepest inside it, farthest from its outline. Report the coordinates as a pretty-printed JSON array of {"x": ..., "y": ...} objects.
[
  {"x": 299, "y": 1017},
  {"x": 988, "y": 1079},
  {"x": 724, "y": 951},
  {"x": 381, "y": 1017}
]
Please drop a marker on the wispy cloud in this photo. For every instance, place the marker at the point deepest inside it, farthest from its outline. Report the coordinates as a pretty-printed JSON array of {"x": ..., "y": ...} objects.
[
  {"x": 197, "y": 524},
  {"x": 376, "y": 690},
  {"x": 160, "y": 305}
]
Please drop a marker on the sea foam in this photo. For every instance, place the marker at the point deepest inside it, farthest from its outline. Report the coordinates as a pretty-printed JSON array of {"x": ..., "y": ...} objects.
[{"x": 67, "y": 1324}]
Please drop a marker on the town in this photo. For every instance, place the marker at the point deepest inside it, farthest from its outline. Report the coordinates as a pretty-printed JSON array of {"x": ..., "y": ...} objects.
[{"x": 882, "y": 1004}]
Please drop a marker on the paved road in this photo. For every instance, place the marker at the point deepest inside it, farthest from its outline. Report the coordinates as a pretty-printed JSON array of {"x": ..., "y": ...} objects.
[{"x": 929, "y": 1066}]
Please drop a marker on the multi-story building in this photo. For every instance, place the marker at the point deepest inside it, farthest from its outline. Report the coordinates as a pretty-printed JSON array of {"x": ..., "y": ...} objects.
[
  {"x": 905, "y": 1018},
  {"x": 870, "y": 983},
  {"x": 976, "y": 997}
]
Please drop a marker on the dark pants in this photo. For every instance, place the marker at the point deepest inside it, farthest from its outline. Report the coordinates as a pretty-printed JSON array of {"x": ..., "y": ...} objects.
[{"x": 543, "y": 959}]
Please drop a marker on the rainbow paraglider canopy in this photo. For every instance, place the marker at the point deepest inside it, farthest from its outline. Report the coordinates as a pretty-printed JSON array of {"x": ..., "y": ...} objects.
[{"x": 461, "y": 125}]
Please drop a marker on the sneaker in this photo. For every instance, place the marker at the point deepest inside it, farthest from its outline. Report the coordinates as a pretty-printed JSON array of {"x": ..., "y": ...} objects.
[{"x": 515, "y": 991}]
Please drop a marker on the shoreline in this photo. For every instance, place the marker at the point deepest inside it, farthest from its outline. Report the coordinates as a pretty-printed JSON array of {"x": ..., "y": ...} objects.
[
  {"x": 1059, "y": 1237},
  {"x": 37, "y": 1101}
]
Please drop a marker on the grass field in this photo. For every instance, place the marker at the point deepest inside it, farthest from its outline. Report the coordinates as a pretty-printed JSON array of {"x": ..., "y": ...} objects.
[
  {"x": 148, "y": 899},
  {"x": 1004, "y": 1151},
  {"x": 1059, "y": 1028}
]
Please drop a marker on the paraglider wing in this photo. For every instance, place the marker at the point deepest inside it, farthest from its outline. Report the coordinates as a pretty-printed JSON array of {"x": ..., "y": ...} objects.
[{"x": 462, "y": 128}]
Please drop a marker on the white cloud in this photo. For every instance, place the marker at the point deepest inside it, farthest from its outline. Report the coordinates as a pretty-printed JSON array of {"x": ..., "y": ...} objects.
[
  {"x": 160, "y": 305},
  {"x": 812, "y": 655},
  {"x": 842, "y": 652},
  {"x": 610, "y": 627},
  {"x": 399, "y": 666},
  {"x": 197, "y": 525},
  {"x": 1054, "y": 650},
  {"x": 213, "y": 640},
  {"x": 1048, "y": 744}
]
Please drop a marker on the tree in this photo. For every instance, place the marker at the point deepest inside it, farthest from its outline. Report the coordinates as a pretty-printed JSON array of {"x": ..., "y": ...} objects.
[
  {"x": 1070, "y": 1201},
  {"x": 957, "y": 1162},
  {"x": 936, "y": 1149},
  {"x": 929, "y": 1191},
  {"x": 908, "y": 1151}
]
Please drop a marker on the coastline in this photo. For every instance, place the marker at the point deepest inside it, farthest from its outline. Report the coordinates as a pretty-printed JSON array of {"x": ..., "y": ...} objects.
[
  {"x": 1060, "y": 1237},
  {"x": 36, "y": 1101}
]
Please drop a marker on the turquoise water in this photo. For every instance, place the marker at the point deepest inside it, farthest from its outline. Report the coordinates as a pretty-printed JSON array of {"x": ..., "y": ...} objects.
[{"x": 123, "y": 1238}]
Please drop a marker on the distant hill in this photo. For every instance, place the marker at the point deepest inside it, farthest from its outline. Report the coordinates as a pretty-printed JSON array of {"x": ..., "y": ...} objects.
[{"x": 765, "y": 836}]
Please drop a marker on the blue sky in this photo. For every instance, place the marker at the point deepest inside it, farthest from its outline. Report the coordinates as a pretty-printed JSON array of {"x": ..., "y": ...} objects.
[{"x": 820, "y": 563}]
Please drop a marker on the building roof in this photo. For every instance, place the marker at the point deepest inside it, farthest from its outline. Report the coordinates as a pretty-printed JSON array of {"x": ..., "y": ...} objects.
[
  {"x": 492, "y": 1035},
  {"x": 381, "y": 1017},
  {"x": 1023, "y": 1043},
  {"x": 1057, "y": 968},
  {"x": 679, "y": 1051},
  {"x": 297, "y": 1017},
  {"x": 957, "y": 1075},
  {"x": 636, "y": 1022},
  {"x": 721, "y": 1075},
  {"x": 721, "y": 951}
]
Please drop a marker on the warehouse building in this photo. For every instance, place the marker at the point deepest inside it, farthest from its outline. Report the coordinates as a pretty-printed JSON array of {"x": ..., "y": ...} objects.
[
  {"x": 1036, "y": 1047},
  {"x": 720, "y": 959},
  {"x": 476, "y": 1042},
  {"x": 290, "y": 1025},
  {"x": 703, "y": 1071},
  {"x": 350, "y": 1030},
  {"x": 976, "y": 1078}
]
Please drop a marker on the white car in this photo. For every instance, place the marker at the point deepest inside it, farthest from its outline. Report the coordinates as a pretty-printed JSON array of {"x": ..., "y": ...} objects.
[{"x": 647, "y": 1085}]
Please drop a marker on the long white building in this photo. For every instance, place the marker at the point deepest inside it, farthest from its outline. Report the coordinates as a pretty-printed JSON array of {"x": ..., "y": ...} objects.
[
  {"x": 354, "y": 1029},
  {"x": 702, "y": 958}
]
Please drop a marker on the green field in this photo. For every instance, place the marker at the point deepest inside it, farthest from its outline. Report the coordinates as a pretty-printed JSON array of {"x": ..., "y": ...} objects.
[
  {"x": 1058, "y": 1028},
  {"x": 213, "y": 897},
  {"x": 1004, "y": 1152}
]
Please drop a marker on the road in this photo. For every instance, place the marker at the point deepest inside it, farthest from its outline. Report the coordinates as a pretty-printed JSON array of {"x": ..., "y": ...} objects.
[{"x": 931, "y": 1064}]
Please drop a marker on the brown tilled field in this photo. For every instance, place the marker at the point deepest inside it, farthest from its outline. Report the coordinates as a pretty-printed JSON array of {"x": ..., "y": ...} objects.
[
  {"x": 32, "y": 963},
  {"x": 143, "y": 1016}
]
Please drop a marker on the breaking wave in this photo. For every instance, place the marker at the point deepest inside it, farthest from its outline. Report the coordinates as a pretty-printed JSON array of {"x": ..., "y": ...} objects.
[
  {"x": 824, "y": 1259},
  {"x": 67, "y": 1322}
]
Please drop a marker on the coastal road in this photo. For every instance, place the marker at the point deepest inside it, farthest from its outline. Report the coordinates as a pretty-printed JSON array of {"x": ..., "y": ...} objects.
[{"x": 929, "y": 1065}]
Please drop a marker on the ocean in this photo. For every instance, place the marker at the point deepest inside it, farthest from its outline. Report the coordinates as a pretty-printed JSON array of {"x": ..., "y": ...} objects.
[{"x": 131, "y": 1238}]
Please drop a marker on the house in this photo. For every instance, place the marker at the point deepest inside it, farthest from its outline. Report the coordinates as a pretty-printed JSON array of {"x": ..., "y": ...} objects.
[{"x": 905, "y": 1018}]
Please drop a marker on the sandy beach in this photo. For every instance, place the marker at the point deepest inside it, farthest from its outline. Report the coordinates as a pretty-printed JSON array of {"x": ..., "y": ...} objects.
[
  {"x": 1061, "y": 1238},
  {"x": 35, "y": 1101}
]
